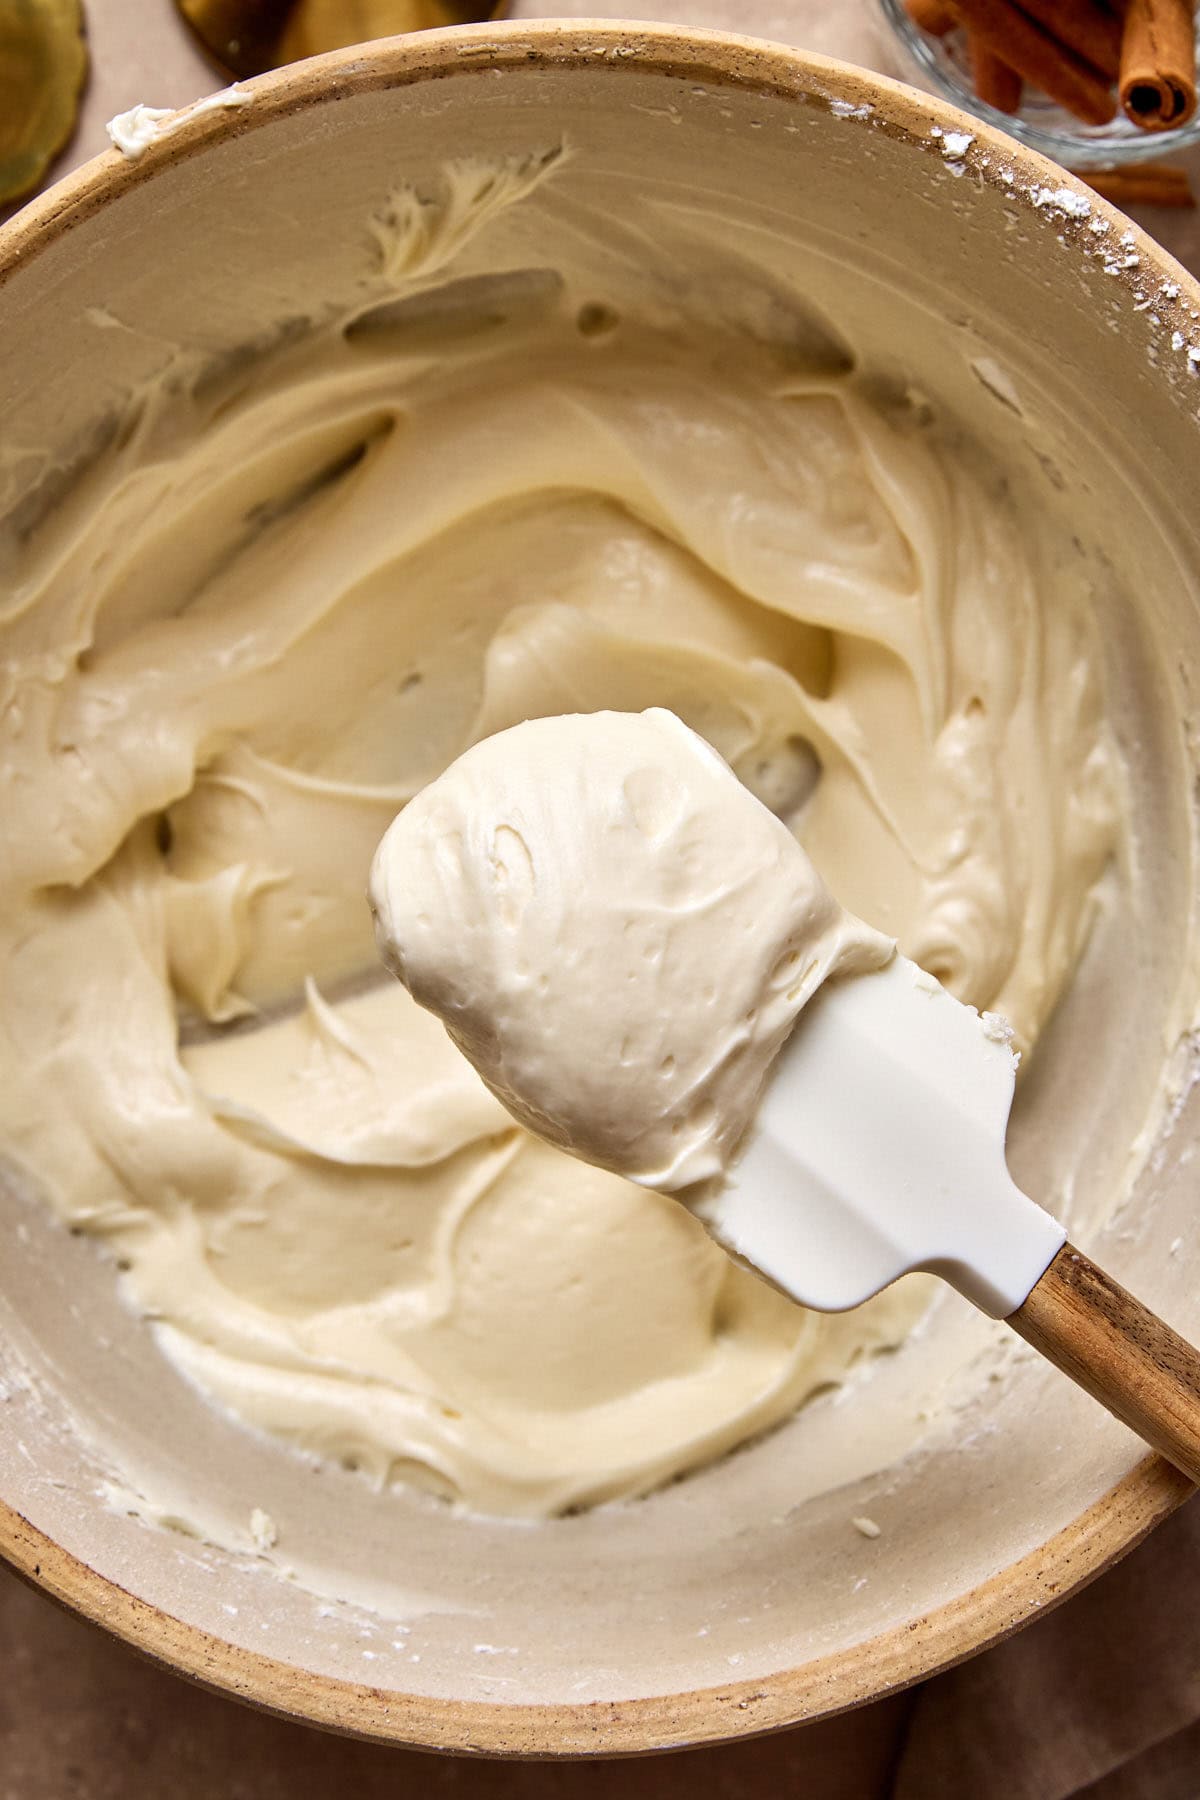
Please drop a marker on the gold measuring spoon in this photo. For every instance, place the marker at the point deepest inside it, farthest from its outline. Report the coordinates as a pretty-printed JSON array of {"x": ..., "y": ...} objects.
[
  {"x": 246, "y": 37},
  {"x": 43, "y": 63}
]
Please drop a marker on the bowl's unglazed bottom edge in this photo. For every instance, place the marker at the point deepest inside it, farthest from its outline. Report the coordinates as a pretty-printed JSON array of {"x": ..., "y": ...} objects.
[{"x": 834, "y": 1683}]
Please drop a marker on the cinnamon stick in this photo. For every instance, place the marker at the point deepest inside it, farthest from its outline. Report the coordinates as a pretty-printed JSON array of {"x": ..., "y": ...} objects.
[
  {"x": 1142, "y": 184},
  {"x": 1041, "y": 59},
  {"x": 936, "y": 17},
  {"x": 997, "y": 83},
  {"x": 1089, "y": 29},
  {"x": 1158, "y": 63}
]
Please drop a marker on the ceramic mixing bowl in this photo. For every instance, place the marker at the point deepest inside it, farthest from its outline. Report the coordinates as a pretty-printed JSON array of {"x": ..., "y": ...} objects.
[{"x": 944, "y": 266}]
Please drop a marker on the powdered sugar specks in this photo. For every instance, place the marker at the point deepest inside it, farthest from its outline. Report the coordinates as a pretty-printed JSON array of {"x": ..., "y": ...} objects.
[{"x": 1062, "y": 199}]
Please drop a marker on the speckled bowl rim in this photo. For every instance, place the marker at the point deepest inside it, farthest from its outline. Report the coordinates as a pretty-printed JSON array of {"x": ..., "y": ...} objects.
[{"x": 862, "y": 1672}]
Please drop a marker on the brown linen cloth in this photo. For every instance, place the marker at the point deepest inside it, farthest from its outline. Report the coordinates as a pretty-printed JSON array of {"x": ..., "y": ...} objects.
[{"x": 1098, "y": 1701}]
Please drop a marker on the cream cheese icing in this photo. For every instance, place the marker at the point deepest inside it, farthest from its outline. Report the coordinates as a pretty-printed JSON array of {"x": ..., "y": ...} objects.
[
  {"x": 133, "y": 132},
  {"x": 615, "y": 933},
  {"x": 283, "y": 599}
]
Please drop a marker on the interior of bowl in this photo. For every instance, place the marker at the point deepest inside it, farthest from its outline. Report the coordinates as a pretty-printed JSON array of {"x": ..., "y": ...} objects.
[{"x": 965, "y": 276}]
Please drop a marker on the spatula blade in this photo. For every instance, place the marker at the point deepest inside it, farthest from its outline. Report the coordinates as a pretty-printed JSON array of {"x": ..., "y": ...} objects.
[{"x": 879, "y": 1148}]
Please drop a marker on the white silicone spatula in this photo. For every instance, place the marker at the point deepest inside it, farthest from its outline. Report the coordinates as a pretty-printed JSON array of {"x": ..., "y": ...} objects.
[
  {"x": 518, "y": 897},
  {"x": 879, "y": 1149}
]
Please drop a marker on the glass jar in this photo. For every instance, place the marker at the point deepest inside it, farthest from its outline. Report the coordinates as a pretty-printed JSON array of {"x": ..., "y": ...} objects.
[{"x": 941, "y": 64}]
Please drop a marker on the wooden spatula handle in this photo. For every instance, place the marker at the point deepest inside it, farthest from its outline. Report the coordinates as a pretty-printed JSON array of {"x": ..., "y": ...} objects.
[{"x": 1117, "y": 1349}]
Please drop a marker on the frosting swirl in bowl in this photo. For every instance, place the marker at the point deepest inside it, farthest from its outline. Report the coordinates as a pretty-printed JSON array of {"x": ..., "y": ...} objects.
[{"x": 279, "y": 605}]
